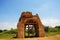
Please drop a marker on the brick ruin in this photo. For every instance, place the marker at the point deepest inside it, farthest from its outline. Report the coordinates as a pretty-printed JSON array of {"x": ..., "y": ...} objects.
[{"x": 28, "y": 18}]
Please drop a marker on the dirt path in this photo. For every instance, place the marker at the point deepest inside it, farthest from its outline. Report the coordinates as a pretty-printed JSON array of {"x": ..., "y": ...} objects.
[{"x": 57, "y": 37}]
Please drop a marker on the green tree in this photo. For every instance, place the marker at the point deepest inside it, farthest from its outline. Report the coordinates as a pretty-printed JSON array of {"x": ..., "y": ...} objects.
[
  {"x": 57, "y": 28},
  {"x": 46, "y": 28},
  {"x": 52, "y": 29},
  {"x": 1, "y": 31},
  {"x": 5, "y": 30}
]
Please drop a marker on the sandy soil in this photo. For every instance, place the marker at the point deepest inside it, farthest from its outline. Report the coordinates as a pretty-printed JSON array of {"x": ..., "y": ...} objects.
[{"x": 57, "y": 37}]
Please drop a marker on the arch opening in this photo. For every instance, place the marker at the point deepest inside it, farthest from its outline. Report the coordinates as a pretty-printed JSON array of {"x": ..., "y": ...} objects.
[{"x": 30, "y": 29}]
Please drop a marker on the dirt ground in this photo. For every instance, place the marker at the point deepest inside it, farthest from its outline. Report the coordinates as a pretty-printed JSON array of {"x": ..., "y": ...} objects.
[{"x": 57, "y": 37}]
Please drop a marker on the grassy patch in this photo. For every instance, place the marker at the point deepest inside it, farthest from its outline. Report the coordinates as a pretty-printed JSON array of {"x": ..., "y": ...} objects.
[
  {"x": 52, "y": 33},
  {"x": 6, "y": 35}
]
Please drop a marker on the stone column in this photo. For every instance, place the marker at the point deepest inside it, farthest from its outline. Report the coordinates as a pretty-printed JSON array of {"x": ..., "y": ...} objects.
[{"x": 20, "y": 27}]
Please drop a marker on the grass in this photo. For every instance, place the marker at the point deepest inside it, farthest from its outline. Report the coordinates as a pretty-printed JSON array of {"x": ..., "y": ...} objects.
[
  {"x": 52, "y": 33},
  {"x": 6, "y": 35}
]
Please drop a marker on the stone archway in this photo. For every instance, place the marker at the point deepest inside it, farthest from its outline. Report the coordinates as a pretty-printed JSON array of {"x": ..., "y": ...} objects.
[
  {"x": 31, "y": 27},
  {"x": 28, "y": 19}
]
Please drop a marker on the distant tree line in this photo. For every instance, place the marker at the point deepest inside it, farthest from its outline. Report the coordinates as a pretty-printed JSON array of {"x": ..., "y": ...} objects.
[
  {"x": 46, "y": 28},
  {"x": 52, "y": 29},
  {"x": 11, "y": 31}
]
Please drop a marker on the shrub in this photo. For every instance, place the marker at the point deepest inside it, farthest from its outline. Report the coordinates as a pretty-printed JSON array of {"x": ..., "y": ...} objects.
[{"x": 1, "y": 31}]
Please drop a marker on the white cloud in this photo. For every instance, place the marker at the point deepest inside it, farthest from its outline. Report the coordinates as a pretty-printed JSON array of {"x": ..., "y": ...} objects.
[
  {"x": 7, "y": 25},
  {"x": 51, "y": 22}
]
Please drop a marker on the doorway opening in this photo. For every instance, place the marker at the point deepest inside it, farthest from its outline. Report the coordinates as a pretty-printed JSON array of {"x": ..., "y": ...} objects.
[{"x": 30, "y": 30}]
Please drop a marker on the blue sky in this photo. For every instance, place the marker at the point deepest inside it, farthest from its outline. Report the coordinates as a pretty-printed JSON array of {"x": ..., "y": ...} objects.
[{"x": 10, "y": 11}]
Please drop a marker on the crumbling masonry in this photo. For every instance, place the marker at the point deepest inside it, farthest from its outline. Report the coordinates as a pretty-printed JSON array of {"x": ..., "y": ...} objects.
[{"x": 28, "y": 18}]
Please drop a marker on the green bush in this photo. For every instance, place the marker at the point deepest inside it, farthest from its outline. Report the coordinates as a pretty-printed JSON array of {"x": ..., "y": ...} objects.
[
  {"x": 46, "y": 28},
  {"x": 1, "y": 31},
  {"x": 52, "y": 30}
]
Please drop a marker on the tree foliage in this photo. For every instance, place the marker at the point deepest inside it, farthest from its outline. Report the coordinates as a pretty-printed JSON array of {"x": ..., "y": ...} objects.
[
  {"x": 52, "y": 29},
  {"x": 1, "y": 31},
  {"x": 12, "y": 31},
  {"x": 46, "y": 28}
]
